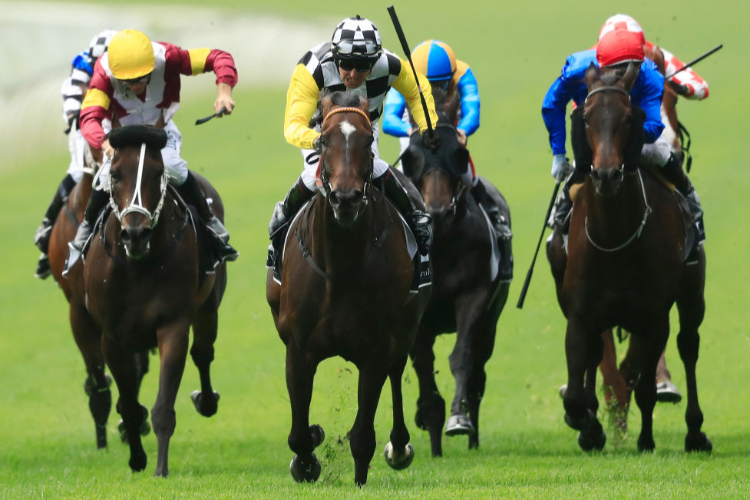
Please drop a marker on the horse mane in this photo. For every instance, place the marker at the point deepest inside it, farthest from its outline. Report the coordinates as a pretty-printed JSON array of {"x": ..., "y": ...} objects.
[{"x": 135, "y": 135}]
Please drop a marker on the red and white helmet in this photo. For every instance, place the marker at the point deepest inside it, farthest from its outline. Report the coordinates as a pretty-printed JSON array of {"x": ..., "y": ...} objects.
[
  {"x": 622, "y": 22},
  {"x": 619, "y": 46}
]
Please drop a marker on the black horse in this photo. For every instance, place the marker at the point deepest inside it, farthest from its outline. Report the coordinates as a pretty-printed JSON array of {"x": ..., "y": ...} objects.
[{"x": 468, "y": 293}]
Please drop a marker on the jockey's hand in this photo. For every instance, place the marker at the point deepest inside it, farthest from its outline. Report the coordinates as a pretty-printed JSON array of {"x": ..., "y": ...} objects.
[
  {"x": 430, "y": 139},
  {"x": 461, "y": 137},
  {"x": 224, "y": 99},
  {"x": 107, "y": 149},
  {"x": 678, "y": 88},
  {"x": 560, "y": 167}
]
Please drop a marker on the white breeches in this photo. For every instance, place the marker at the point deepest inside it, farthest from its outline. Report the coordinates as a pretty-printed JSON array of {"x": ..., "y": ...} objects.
[
  {"x": 170, "y": 154},
  {"x": 76, "y": 145},
  {"x": 311, "y": 158},
  {"x": 658, "y": 152}
]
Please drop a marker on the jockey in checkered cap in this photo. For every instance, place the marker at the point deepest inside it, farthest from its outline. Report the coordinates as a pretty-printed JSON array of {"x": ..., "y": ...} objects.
[
  {"x": 137, "y": 82},
  {"x": 354, "y": 62},
  {"x": 73, "y": 89}
]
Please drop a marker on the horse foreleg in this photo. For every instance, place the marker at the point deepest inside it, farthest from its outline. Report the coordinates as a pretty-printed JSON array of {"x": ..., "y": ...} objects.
[
  {"x": 430, "y": 414},
  {"x": 372, "y": 376},
  {"x": 691, "y": 306},
  {"x": 482, "y": 346},
  {"x": 653, "y": 338},
  {"x": 173, "y": 346},
  {"x": 88, "y": 337},
  {"x": 204, "y": 335},
  {"x": 303, "y": 438},
  {"x": 398, "y": 452},
  {"x": 122, "y": 365}
]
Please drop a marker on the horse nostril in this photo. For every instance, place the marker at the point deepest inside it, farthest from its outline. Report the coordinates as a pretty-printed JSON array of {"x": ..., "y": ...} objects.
[
  {"x": 125, "y": 236},
  {"x": 333, "y": 197}
]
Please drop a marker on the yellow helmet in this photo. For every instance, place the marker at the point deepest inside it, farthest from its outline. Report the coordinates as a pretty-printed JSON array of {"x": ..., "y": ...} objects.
[
  {"x": 435, "y": 60},
  {"x": 131, "y": 55}
]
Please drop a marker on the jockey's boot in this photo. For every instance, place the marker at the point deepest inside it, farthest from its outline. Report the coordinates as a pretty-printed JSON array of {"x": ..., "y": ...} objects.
[
  {"x": 97, "y": 202},
  {"x": 283, "y": 212},
  {"x": 419, "y": 222},
  {"x": 560, "y": 217},
  {"x": 191, "y": 193},
  {"x": 676, "y": 175},
  {"x": 501, "y": 227},
  {"x": 41, "y": 238}
]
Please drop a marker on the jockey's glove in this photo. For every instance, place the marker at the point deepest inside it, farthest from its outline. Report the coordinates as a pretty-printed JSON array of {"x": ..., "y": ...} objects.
[
  {"x": 430, "y": 139},
  {"x": 679, "y": 88},
  {"x": 73, "y": 118},
  {"x": 560, "y": 167}
]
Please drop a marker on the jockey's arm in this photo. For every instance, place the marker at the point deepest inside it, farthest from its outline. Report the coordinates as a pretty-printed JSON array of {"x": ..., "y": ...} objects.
[
  {"x": 553, "y": 112},
  {"x": 301, "y": 103},
  {"x": 96, "y": 107},
  {"x": 393, "y": 115},
  {"x": 650, "y": 102},
  {"x": 407, "y": 86},
  {"x": 469, "y": 91},
  {"x": 75, "y": 86},
  {"x": 695, "y": 86},
  {"x": 197, "y": 61}
]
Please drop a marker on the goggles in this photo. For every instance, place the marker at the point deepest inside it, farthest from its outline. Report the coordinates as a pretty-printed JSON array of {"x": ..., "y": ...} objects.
[
  {"x": 134, "y": 81},
  {"x": 360, "y": 65}
]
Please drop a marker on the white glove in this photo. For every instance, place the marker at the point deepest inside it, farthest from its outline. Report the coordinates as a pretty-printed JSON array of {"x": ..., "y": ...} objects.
[{"x": 560, "y": 167}]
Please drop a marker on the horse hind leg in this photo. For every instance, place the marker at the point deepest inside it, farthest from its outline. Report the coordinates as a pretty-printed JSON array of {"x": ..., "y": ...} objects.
[
  {"x": 430, "y": 414},
  {"x": 303, "y": 437},
  {"x": 691, "y": 307},
  {"x": 88, "y": 338},
  {"x": 399, "y": 453},
  {"x": 205, "y": 329}
]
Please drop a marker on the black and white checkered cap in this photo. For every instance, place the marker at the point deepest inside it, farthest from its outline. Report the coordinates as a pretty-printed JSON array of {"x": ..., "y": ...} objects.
[
  {"x": 98, "y": 45},
  {"x": 356, "y": 38}
]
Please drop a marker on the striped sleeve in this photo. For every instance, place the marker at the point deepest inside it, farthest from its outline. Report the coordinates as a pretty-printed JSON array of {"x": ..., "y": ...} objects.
[
  {"x": 697, "y": 87},
  {"x": 197, "y": 61},
  {"x": 96, "y": 107},
  {"x": 407, "y": 86},
  {"x": 301, "y": 103}
]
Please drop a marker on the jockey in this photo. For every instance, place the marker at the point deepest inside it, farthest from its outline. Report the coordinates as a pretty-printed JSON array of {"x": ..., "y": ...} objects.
[
  {"x": 437, "y": 61},
  {"x": 139, "y": 81},
  {"x": 73, "y": 90},
  {"x": 353, "y": 62}
]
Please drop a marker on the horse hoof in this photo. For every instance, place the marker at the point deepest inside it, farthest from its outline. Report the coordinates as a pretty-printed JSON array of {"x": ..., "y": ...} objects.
[
  {"x": 137, "y": 461},
  {"x": 589, "y": 442},
  {"x": 646, "y": 446},
  {"x": 305, "y": 473},
  {"x": 701, "y": 443},
  {"x": 205, "y": 408},
  {"x": 582, "y": 423},
  {"x": 398, "y": 461},
  {"x": 667, "y": 392},
  {"x": 459, "y": 425},
  {"x": 318, "y": 435}
]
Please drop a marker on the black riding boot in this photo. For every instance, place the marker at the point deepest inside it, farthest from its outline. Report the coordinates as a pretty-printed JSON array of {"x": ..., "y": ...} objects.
[
  {"x": 283, "y": 212},
  {"x": 41, "y": 239},
  {"x": 564, "y": 203},
  {"x": 676, "y": 175},
  {"x": 501, "y": 227},
  {"x": 419, "y": 222},
  {"x": 193, "y": 195},
  {"x": 97, "y": 202}
]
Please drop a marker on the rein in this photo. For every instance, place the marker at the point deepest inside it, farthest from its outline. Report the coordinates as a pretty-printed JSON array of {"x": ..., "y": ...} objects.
[
  {"x": 638, "y": 231},
  {"x": 136, "y": 205}
]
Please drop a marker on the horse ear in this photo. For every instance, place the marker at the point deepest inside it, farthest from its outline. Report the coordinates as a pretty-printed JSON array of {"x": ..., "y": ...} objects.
[
  {"x": 326, "y": 103},
  {"x": 634, "y": 145},
  {"x": 582, "y": 153},
  {"x": 592, "y": 75},
  {"x": 628, "y": 78},
  {"x": 412, "y": 162}
]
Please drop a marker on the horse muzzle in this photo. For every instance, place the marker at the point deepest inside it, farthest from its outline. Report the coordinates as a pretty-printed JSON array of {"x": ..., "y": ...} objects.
[
  {"x": 607, "y": 180},
  {"x": 137, "y": 241},
  {"x": 347, "y": 205}
]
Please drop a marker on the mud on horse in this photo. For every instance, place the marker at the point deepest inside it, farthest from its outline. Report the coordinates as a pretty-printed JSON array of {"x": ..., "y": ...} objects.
[
  {"x": 146, "y": 287},
  {"x": 345, "y": 291},
  {"x": 467, "y": 294},
  {"x": 626, "y": 264}
]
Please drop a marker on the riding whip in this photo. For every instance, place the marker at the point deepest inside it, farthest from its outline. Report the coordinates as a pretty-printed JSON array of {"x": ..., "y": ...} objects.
[
  {"x": 699, "y": 59},
  {"x": 541, "y": 236},
  {"x": 405, "y": 47},
  {"x": 204, "y": 120}
]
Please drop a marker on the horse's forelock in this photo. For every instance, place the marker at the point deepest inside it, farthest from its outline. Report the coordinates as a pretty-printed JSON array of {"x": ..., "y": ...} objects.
[{"x": 343, "y": 100}]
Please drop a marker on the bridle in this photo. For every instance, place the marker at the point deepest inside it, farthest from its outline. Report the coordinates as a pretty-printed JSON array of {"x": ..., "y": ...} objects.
[
  {"x": 323, "y": 180},
  {"x": 607, "y": 88},
  {"x": 136, "y": 205}
]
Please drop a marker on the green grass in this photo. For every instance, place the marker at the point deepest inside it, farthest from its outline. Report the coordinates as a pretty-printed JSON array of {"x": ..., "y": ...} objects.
[{"x": 47, "y": 446}]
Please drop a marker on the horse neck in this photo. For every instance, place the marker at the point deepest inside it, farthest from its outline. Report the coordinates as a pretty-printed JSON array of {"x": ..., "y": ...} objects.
[
  {"x": 340, "y": 250},
  {"x": 611, "y": 220},
  {"x": 84, "y": 190}
]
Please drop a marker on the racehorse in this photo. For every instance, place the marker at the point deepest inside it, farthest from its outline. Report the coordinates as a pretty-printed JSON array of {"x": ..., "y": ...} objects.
[
  {"x": 345, "y": 291},
  {"x": 146, "y": 285},
  {"x": 625, "y": 263},
  {"x": 467, "y": 294}
]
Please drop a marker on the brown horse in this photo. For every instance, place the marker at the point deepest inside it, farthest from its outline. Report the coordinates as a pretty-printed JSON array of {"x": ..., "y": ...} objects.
[
  {"x": 625, "y": 264},
  {"x": 467, "y": 295},
  {"x": 145, "y": 287},
  {"x": 345, "y": 291}
]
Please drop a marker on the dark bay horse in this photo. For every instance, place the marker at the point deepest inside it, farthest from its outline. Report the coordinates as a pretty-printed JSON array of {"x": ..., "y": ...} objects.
[
  {"x": 145, "y": 287},
  {"x": 345, "y": 291},
  {"x": 625, "y": 264},
  {"x": 467, "y": 294}
]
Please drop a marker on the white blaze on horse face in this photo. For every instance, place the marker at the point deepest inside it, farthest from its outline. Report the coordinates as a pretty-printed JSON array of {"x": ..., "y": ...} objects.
[{"x": 347, "y": 128}]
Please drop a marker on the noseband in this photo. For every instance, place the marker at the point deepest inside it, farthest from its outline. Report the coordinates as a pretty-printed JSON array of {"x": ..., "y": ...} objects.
[
  {"x": 136, "y": 205},
  {"x": 323, "y": 180},
  {"x": 607, "y": 88}
]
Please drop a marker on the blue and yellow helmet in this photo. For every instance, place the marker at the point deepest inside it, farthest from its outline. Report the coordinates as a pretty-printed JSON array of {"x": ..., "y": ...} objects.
[{"x": 435, "y": 60}]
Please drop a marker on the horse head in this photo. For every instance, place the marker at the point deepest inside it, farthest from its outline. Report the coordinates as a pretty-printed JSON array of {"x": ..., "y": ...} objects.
[
  {"x": 138, "y": 184},
  {"x": 346, "y": 157},
  {"x": 613, "y": 128}
]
